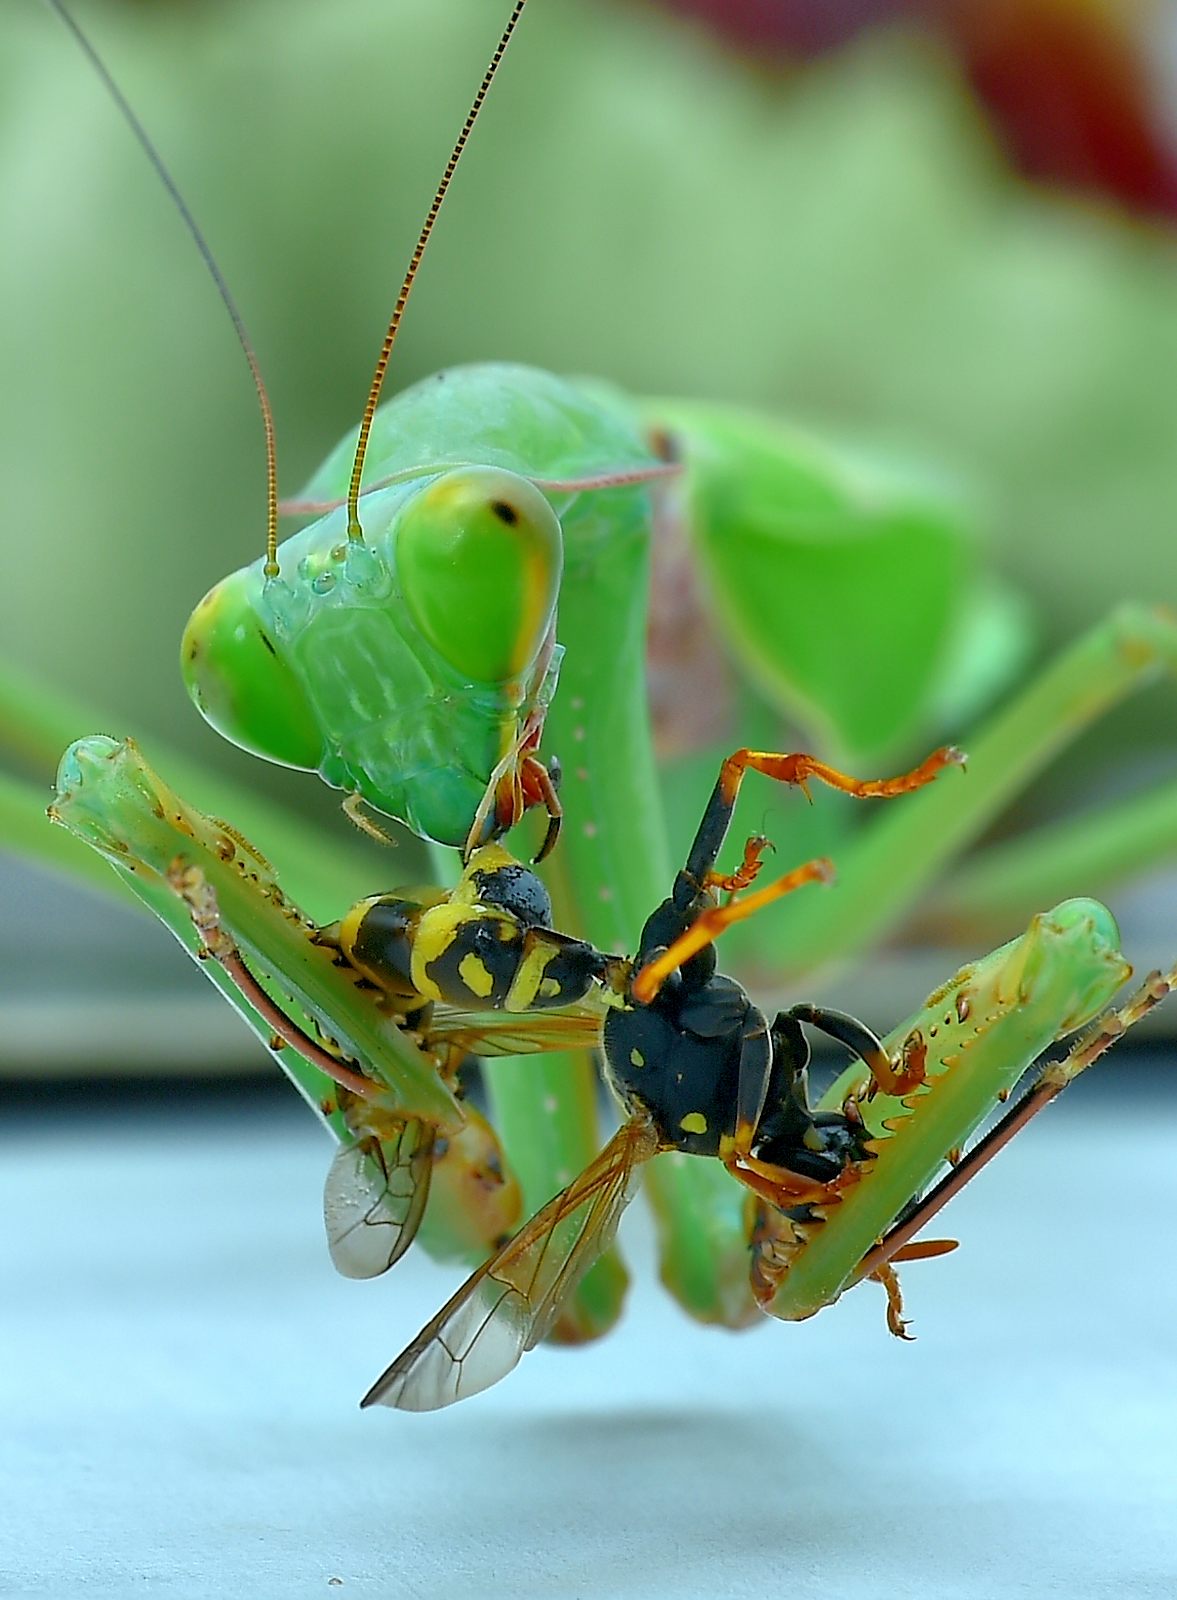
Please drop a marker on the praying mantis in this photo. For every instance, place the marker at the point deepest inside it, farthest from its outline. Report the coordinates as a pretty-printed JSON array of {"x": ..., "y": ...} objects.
[{"x": 613, "y": 862}]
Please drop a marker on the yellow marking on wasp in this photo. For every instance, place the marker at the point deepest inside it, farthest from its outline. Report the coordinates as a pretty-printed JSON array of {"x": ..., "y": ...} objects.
[
  {"x": 549, "y": 988},
  {"x": 436, "y": 932},
  {"x": 636, "y": 1058},
  {"x": 529, "y": 981},
  {"x": 693, "y": 1122},
  {"x": 486, "y": 859},
  {"x": 474, "y": 975},
  {"x": 349, "y": 926}
]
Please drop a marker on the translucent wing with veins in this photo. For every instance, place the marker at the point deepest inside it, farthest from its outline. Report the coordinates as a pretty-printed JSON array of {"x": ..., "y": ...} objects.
[
  {"x": 375, "y": 1195},
  {"x": 510, "y": 1303},
  {"x": 517, "y": 1033}
]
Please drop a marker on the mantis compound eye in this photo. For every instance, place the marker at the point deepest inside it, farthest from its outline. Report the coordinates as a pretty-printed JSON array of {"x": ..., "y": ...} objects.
[
  {"x": 240, "y": 682},
  {"x": 479, "y": 557}
]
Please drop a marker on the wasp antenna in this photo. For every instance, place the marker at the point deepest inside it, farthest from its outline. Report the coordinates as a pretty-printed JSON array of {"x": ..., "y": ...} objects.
[
  {"x": 206, "y": 255},
  {"x": 354, "y": 531}
]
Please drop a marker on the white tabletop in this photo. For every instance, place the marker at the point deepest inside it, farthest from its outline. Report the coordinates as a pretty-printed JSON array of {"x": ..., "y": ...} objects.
[{"x": 180, "y": 1366}]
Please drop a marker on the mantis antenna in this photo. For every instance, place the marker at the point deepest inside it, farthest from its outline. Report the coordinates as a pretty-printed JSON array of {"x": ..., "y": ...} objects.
[
  {"x": 354, "y": 531},
  {"x": 209, "y": 260}
]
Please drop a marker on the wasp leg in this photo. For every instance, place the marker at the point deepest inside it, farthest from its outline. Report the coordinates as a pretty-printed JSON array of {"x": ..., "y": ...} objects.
[
  {"x": 784, "y": 1151},
  {"x": 709, "y": 924},
  {"x": 747, "y": 871},
  {"x": 894, "y": 1078},
  {"x": 757, "y": 1069},
  {"x": 829, "y": 1146},
  {"x": 797, "y": 769},
  {"x": 780, "y": 1187},
  {"x": 896, "y": 1322}
]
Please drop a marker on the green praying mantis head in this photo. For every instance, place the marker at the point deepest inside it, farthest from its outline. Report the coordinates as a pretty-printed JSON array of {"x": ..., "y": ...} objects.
[{"x": 357, "y": 659}]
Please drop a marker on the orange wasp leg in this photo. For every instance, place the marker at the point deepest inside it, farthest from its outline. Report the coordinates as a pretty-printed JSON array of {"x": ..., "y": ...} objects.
[
  {"x": 799, "y": 768},
  {"x": 710, "y": 924}
]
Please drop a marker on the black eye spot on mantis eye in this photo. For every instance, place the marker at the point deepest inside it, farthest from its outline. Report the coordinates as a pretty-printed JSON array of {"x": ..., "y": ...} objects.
[
  {"x": 267, "y": 641},
  {"x": 504, "y": 512}
]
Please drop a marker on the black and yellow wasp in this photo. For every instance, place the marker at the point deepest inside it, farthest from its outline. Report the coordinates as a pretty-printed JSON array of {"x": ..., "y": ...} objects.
[
  {"x": 479, "y": 970},
  {"x": 695, "y": 1065}
]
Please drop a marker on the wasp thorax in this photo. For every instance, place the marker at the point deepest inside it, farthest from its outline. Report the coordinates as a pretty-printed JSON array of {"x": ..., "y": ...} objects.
[
  {"x": 497, "y": 878},
  {"x": 479, "y": 558}
]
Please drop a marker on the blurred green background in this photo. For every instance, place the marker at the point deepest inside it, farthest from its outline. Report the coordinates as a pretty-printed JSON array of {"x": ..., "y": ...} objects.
[{"x": 831, "y": 229}]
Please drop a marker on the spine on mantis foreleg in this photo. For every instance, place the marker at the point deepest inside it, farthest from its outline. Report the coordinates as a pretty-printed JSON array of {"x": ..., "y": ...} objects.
[{"x": 974, "y": 1038}]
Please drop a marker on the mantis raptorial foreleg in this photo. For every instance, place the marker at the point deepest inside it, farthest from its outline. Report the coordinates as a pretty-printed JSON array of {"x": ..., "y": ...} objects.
[{"x": 972, "y": 1041}]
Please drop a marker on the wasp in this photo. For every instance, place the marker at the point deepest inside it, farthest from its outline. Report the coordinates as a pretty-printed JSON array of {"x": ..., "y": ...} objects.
[{"x": 697, "y": 1068}]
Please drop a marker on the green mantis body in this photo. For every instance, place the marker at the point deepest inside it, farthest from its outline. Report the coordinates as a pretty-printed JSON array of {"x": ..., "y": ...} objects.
[
  {"x": 615, "y": 854},
  {"x": 786, "y": 494},
  {"x": 747, "y": 484}
]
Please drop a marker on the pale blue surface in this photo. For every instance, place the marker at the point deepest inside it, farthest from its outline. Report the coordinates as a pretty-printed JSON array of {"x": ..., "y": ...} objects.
[{"x": 179, "y": 1372}]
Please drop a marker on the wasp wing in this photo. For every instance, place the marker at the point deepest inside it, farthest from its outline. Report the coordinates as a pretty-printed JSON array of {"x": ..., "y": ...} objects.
[
  {"x": 509, "y": 1304},
  {"x": 516, "y": 1033},
  {"x": 375, "y": 1195}
]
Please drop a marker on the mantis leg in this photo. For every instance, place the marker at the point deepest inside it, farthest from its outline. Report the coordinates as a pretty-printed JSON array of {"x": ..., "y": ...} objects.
[
  {"x": 220, "y": 898},
  {"x": 193, "y": 888},
  {"x": 975, "y": 1036},
  {"x": 1051, "y": 1081},
  {"x": 110, "y": 797}
]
